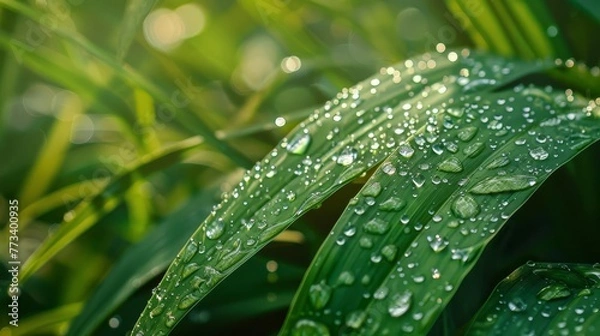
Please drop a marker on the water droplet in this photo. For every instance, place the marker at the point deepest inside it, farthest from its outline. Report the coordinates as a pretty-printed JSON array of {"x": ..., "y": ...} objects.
[
  {"x": 381, "y": 293},
  {"x": 157, "y": 310},
  {"x": 188, "y": 301},
  {"x": 376, "y": 226},
  {"x": 319, "y": 294},
  {"x": 498, "y": 184},
  {"x": 406, "y": 150},
  {"x": 451, "y": 146},
  {"x": 347, "y": 156},
  {"x": 455, "y": 112},
  {"x": 345, "y": 278},
  {"x": 388, "y": 168},
  {"x": 400, "y": 304},
  {"x": 309, "y": 328},
  {"x": 215, "y": 229},
  {"x": 356, "y": 318},
  {"x": 389, "y": 252},
  {"x": 418, "y": 180},
  {"x": 473, "y": 149},
  {"x": 517, "y": 305},
  {"x": 465, "y": 207},
  {"x": 538, "y": 154},
  {"x": 437, "y": 243},
  {"x": 451, "y": 165},
  {"x": 189, "y": 269},
  {"x": 392, "y": 204},
  {"x": 372, "y": 189},
  {"x": 190, "y": 250},
  {"x": 291, "y": 196},
  {"x": 467, "y": 133},
  {"x": 553, "y": 292},
  {"x": 299, "y": 144},
  {"x": 498, "y": 162}
]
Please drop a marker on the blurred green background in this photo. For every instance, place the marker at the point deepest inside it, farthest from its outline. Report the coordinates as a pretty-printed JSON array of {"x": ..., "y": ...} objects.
[{"x": 89, "y": 89}]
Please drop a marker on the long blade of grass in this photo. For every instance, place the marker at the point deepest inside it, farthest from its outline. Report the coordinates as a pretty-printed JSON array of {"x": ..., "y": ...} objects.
[
  {"x": 87, "y": 213},
  {"x": 135, "y": 13},
  {"x": 52, "y": 153},
  {"x": 403, "y": 245},
  {"x": 49, "y": 322},
  {"x": 349, "y": 135},
  {"x": 141, "y": 263},
  {"x": 556, "y": 299}
]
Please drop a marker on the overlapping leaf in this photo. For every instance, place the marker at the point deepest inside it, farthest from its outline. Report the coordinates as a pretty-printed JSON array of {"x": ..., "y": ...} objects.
[
  {"x": 404, "y": 244},
  {"x": 353, "y": 132},
  {"x": 543, "y": 299}
]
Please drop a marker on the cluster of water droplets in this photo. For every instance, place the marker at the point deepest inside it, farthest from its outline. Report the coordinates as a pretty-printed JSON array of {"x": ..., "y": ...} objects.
[
  {"x": 480, "y": 152},
  {"x": 356, "y": 130},
  {"x": 560, "y": 300}
]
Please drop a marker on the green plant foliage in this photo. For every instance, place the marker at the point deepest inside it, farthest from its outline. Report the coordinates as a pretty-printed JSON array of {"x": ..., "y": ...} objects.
[
  {"x": 448, "y": 99},
  {"x": 543, "y": 299},
  {"x": 90, "y": 211},
  {"x": 140, "y": 264},
  {"x": 422, "y": 220},
  {"x": 354, "y": 209}
]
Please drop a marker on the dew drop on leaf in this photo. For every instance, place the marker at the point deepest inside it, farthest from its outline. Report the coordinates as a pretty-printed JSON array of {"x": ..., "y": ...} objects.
[
  {"x": 190, "y": 250},
  {"x": 467, "y": 133},
  {"x": 188, "y": 301},
  {"x": 215, "y": 229},
  {"x": 356, "y": 318},
  {"x": 189, "y": 269},
  {"x": 473, "y": 149},
  {"x": 498, "y": 184},
  {"x": 307, "y": 327},
  {"x": 346, "y": 278},
  {"x": 372, "y": 189},
  {"x": 389, "y": 252},
  {"x": 319, "y": 294},
  {"x": 465, "y": 207},
  {"x": 498, "y": 162},
  {"x": 437, "y": 243},
  {"x": 392, "y": 204},
  {"x": 376, "y": 226},
  {"x": 157, "y": 310},
  {"x": 400, "y": 304},
  {"x": 538, "y": 154},
  {"x": 418, "y": 180},
  {"x": 455, "y": 112},
  {"x": 517, "y": 305},
  {"x": 451, "y": 165},
  {"x": 347, "y": 156},
  {"x": 553, "y": 292},
  {"x": 406, "y": 150},
  {"x": 299, "y": 144}
]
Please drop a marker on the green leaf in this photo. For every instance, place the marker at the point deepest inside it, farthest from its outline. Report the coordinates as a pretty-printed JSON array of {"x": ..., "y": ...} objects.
[
  {"x": 407, "y": 273},
  {"x": 47, "y": 323},
  {"x": 140, "y": 263},
  {"x": 352, "y": 133},
  {"x": 100, "y": 203},
  {"x": 543, "y": 299},
  {"x": 135, "y": 13}
]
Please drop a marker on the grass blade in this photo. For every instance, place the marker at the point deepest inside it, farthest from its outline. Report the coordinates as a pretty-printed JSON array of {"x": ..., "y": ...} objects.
[
  {"x": 141, "y": 263},
  {"x": 87, "y": 213},
  {"x": 559, "y": 299},
  {"x": 414, "y": 231},
  {"x": 350, "y": 134},
  {"x": 135, "y": 13}
]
